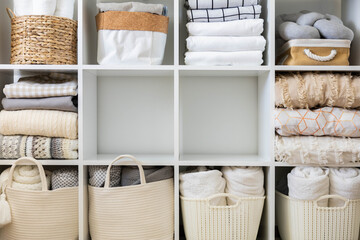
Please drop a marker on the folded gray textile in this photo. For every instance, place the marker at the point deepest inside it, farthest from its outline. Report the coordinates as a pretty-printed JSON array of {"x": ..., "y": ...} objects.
[
  {"x": 130, "y": 175},
  {"x": 282, "y": 186},
  {"x": 64, "y": 177},
  {"x": 68, "y": 103},
  {"x": 97, "y": 175}
]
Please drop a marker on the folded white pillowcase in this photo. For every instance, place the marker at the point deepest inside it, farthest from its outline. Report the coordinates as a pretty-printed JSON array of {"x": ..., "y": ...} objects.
[
  {"x": 131, "y": 7},
  {"x": 241, "y": 58},
  {"x": 309, "y": 183},
  {"x": 225, "y": 44},
  {"x": 344, "y": 182},
  {"x": 211, "y": 4},
  {"x": 243, "y": 28}
]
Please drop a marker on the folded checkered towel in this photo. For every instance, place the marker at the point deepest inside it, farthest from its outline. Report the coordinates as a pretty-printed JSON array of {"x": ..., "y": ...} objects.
[
  {"x": 64, "y": 177},
  {"x": 97, "y": 175}
]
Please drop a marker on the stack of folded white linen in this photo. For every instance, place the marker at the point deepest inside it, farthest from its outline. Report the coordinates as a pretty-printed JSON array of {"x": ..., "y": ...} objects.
[{"x": 224, "y": 33}]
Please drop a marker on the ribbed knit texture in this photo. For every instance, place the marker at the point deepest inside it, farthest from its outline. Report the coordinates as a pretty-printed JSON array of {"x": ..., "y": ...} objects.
[{"x": 39, "y": 123}]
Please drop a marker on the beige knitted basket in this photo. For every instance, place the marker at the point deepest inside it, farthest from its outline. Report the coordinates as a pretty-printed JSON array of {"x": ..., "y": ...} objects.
[
  {"x": 203, "y": 221},
  {"x": 137, "y": 212},
  {"x": 39, "y": 39},
  {"x": 299, "y": 219},
  {"x": 41, "y": 215}
]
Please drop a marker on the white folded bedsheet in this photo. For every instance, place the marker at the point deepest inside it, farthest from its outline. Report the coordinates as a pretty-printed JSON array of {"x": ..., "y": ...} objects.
[{"x": 241, "y": 58}]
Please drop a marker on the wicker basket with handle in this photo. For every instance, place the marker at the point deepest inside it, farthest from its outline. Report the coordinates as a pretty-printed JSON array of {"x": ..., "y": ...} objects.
[{"x": 40, "y": 39}]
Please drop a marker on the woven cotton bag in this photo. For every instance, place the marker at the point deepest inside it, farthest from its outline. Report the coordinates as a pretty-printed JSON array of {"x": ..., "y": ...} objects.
[
  {"x": 41, "y": 215},
  {"x": 137, "y": 212}
]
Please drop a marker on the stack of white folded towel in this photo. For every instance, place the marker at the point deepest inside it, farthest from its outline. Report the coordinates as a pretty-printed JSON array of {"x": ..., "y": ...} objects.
[
  {"x": 202, "y": 183},
  {"x": 224, "y": 33},
  {"x": 59, "y": 8},
  {"x": 310, "y": 183}
]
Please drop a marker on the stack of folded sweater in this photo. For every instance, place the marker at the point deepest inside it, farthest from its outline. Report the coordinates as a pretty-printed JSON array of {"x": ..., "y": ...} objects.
[
  {"x": 310, "y": 183},
  {"x": 224, "y": 33},
  {"x": 202, "y": 183},
  {"x": 40, "y": 118},
  {"x": 320, "y": 124}
]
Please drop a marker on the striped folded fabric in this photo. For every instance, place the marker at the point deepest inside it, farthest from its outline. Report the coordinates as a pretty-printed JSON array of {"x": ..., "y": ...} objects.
[
  {"x": 224, "y": 14},
  {"x": 213, "y": 4}
]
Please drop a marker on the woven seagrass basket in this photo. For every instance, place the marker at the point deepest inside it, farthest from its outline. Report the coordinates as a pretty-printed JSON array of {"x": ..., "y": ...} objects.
[{"x": 40, "y": 39}]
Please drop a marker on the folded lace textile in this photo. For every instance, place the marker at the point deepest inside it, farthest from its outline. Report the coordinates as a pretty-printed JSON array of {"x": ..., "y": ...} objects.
[
  {"x": 203, "y": 184},
  {"x": 317, "y": 89},
  {"x": 344, "y": 182},
  {"x": 241, "y": 58},
  {"x": 317, "y": 150},
  {"x": 46, "y": 123},
  {"x": 325, "y": 121},
  {"x": 244, "y": 182},
  {"x": 13, "y": 147},
  {"x": 309, "y": 183},
  {"x": 25, "y": 177}
]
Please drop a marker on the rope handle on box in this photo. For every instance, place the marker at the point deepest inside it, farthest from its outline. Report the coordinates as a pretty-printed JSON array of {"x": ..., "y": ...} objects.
[
  {"x": 10, "y": 13},
  {"x": 346, "y": 201},
  {"x": 131, "y": 162},
  {"x": 320, "y": 58},
  {"x": 33, "y": 161}
]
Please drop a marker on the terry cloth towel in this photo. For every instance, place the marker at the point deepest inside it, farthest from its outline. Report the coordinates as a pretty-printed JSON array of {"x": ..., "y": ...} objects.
[
  {"x": 317, "y": 150},
  {"x": 243, "y": 182},
  {"x": 224, "y": 14},
  {"x": 239, "y": 28},
  {"x": 52, "y": 85},
  {"x": 203, "y": 184},
  {"x": 53, "y": 103},
  {"x": 211, "y": 4},
  {"x": 64, "y": 178},
  {"x": 309, "y": 183},
  {"x": 311, "y": 89},
  {"x": 13, "y": 147},
  {"x": 325, "y": 121},
  {"x": 225, "y": 44},
  {"x": 242, "y": 58},
  {"x": 130, "y": 175},
  {"x": 39, "y": 123},
  {"x": 344, "y": 182},
  {"x": 65, "y": 8},
  {"x": 131, "y": 7},
  {"x": 25, "y": 177},
  {"x": 97, "y": 175}
]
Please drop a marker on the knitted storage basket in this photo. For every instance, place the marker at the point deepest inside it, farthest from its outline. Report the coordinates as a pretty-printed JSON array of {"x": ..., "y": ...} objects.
[
  {"x": 136, "y": 212},
  {"x": 41, "y": 215},
  {"x": 40, "y": 39},
  {"x": 203, "y": 221},
  {"x": 299, "y": 219}
]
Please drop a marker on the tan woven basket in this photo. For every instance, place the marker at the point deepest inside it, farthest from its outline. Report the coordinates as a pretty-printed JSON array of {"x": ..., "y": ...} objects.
[{"x": 39, "y": 39}]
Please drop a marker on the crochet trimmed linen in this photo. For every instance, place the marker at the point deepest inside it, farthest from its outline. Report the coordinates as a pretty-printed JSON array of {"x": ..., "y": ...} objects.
[
  {"x": 39, "y": 123},
  {"x": 13, "y": 147}
]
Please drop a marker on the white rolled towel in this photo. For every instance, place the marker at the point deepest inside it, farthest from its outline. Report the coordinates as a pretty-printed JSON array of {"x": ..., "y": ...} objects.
[
  {"x": 203, "y": 184},
  {"x": 25, "y": 177},
  {"x": 23, "y": 7},
  {"x": 344, "y": 182},
  {"x": 244, "y": 182},
  {"x": 309, "y": 183},
  {"x": 65, "y": 8},
  {"x": 44, "y": 7}
]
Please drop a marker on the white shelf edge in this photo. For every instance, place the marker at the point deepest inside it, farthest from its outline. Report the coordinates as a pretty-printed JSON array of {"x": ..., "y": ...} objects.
[
  {"x": 38, "y": 67},
  {"x": 316, "y": 68},
  {"x": 47, "y": 162},
  {"x": 145, "y": 159}
]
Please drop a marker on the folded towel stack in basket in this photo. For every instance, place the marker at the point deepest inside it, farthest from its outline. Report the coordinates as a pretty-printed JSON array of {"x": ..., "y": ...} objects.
[
  {"x": 224, "y": 33},
  {"x": 40, "y": 118},
  {"x": 316, "y": 118}
]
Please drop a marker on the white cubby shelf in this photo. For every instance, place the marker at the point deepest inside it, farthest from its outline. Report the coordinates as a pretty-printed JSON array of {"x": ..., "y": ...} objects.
[{"x": 178, "y": 115}]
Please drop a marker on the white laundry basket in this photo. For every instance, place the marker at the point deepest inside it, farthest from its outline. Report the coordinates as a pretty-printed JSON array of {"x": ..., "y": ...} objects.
[
  {"x": 203, "y": 221},
  {"x": 305, "y": 220}
]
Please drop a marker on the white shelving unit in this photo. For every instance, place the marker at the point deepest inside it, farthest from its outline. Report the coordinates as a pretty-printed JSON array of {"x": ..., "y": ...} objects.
[{"x": 178, "y": 115}]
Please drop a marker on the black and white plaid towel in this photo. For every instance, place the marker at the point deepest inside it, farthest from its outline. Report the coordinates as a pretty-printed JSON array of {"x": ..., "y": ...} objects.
[
  {"x": 224, "y": 14},
  {"x": 213, "y": 4}
]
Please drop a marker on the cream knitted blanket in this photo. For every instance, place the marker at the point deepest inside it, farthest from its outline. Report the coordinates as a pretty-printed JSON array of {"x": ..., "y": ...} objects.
[{"x": 39, "y": 123}]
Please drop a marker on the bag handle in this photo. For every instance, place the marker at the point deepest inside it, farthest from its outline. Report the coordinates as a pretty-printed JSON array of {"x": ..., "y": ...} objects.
[
  {"x": 318, "y": 58},
  {"x": 10, "y": 13},
  {"x": 346, "y": 201},
  {"x": 228, "y": 195},
  {"x": 131, "y": 162},
  {"x": 26, "y": 160}
]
